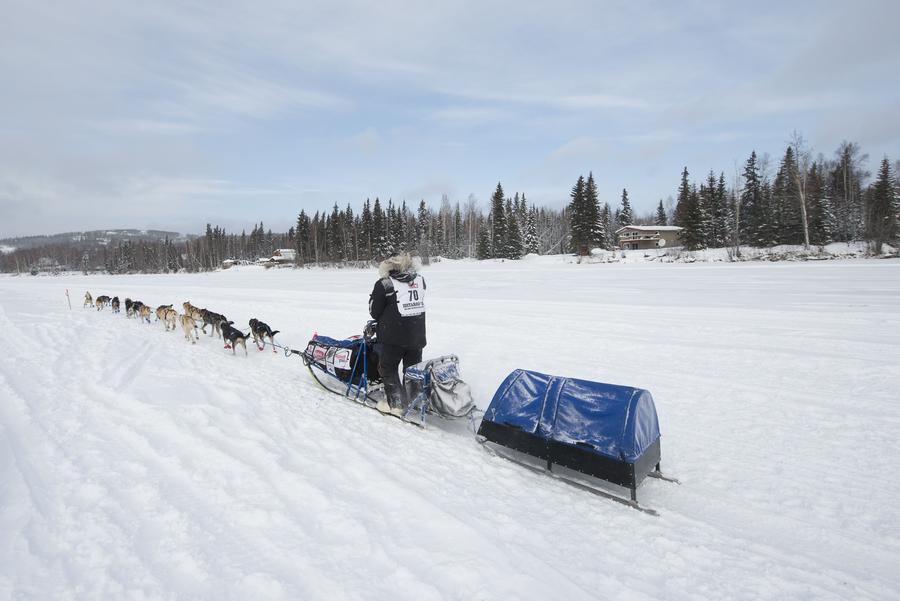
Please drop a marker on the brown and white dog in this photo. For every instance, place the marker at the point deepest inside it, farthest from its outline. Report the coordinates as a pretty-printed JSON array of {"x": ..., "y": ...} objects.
[
  {"x": 170, "y": 317},
  {"x": 161, "y": 311},
  {"x": 101, "y": 302},
  {"x": 189, "y": 326},
  {"x": 144, "y": 312},
  {"x": 88, "y": 300}
]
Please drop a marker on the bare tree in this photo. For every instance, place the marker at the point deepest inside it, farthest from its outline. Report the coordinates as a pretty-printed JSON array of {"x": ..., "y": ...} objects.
[
  {"x": 736, "y": 194},
  {"x": 800, "y": 174}
]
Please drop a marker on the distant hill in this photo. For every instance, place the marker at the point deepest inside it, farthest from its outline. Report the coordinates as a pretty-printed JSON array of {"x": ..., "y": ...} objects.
[{"x": 90, "y": 239}]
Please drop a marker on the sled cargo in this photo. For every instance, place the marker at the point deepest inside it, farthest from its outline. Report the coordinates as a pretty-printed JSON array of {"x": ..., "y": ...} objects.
[
  {"x": 602, "y": 430},
  {"x": 349, "y": 367}
]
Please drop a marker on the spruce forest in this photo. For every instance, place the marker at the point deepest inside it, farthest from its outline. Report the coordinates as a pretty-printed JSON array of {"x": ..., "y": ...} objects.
[{"x": 800, "y": 200}]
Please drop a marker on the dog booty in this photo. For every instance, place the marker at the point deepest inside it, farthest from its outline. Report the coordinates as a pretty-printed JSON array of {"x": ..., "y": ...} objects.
[{"x": 383, "y": 406}]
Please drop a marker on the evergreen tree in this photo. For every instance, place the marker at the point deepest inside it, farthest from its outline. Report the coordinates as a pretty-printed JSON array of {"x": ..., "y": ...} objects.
[
  {"x": 597, "y": 235},
  {"x": 457, "y": 233},
  {"x": 334, "y": 248},
  {"x": 365, "y": 231},
  {"x": 818, "y": 212},
  {"x": 483, "y": 245},
  {"x": 530, "y": 240},
  {"x": 580, "y": 216},
  {"x": 767, "y": 232},
  {"x": 753, "y": 218},
  {"x": 422, "y": 228},
  {"x": 786, "y": 220},
  {"x": 881, "y": 212},
  {"x": 607, "y": 225},
  {"x": 661, "y": 218},
  {"x": 392, "y": 227},
  {"x": 513, "y": 242},
  {"x": 723, "y": 215},
  {"x": 498, "y": 222},
  {"x": 379, "y": 233},
  {"x": 692, "y": 236},
  {"x": 626, "y": 217},
  {"x": 681, "y": 205},
  {"x": 301, "y": 242},
  {"x": 711, "y": 209}
]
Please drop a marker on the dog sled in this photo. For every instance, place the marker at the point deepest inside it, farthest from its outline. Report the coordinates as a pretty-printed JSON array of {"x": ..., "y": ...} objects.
[
  {"x": 349, "y": 367},
  {"x": 577, "y": 431}
]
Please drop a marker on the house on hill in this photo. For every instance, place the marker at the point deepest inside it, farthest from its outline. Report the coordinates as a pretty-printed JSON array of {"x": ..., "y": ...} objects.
[{"x": 643, "y": 237}]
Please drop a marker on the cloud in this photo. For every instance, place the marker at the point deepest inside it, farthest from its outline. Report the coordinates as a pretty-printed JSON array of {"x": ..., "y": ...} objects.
[
  {"x": 365, "y": 142},
  {"x": 471, "y": 115},
  {"x": 110, "y": 107}
]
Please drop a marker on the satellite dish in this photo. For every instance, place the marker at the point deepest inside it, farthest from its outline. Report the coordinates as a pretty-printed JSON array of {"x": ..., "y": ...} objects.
[{"x": 661, "y": 242}]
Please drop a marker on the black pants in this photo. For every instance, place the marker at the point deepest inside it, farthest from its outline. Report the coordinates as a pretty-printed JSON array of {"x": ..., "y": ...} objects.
[{"x": 389, "y": 358}]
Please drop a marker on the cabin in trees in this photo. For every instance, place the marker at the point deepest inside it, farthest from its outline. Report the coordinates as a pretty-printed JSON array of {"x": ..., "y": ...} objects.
[
  {"x": 643, "y": 237},
  {"x": 282, "y": 256}
]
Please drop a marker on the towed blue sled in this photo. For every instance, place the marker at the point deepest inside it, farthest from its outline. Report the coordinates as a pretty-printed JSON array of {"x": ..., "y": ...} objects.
[{"x": 601, "y": 430}]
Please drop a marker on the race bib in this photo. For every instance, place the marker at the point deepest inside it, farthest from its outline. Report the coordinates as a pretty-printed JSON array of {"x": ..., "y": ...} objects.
[{"x": 410, "y": 297}]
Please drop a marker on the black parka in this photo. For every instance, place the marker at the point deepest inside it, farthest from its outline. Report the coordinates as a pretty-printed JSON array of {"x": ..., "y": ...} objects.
[{"x": 393, "y": 328}]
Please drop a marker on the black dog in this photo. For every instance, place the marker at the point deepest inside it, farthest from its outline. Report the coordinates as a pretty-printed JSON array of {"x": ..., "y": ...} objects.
[
  {"x": 115, "y": 304},
  {"x": 260, "y": 332},
  {"x": 233, "y": 337}
]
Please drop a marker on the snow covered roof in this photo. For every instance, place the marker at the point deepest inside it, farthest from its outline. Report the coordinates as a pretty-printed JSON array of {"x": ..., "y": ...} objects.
[{"x": 651, "y": 228}]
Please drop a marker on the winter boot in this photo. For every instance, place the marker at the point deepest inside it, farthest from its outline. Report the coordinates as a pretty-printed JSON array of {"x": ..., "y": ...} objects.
[{"x": 393, "y": 392}]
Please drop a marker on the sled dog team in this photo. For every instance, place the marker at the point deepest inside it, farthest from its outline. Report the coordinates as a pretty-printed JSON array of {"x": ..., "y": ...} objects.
[{"x": 191, "y": 320}]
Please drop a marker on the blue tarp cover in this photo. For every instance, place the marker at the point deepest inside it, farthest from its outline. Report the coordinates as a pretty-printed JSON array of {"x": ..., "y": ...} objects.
[{"x": 616, "y": 421}]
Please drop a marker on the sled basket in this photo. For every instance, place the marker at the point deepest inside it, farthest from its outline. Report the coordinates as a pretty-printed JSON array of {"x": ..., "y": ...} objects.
[
  {"x": 438, "y": 381},
  {"x": 341, "y": 358}
]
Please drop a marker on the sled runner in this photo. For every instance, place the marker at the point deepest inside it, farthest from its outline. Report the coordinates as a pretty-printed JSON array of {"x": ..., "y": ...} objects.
[
  {"x": 349, "y": 367},
  {"x": 576, "y": 427}
]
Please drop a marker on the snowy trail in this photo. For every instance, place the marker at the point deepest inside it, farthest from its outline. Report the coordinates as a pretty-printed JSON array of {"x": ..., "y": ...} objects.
[{"x": 135, "y": 465}]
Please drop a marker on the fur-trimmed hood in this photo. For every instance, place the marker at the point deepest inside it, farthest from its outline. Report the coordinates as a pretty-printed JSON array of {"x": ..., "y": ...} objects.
[{"x": 398, "y": 264}]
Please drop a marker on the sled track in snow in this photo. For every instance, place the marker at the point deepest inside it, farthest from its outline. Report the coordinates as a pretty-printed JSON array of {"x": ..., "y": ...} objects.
[{"x": 135, "y": 464}]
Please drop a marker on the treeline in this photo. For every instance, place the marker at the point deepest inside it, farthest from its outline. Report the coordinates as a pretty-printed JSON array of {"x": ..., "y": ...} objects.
[
  {"x": 511, "y": 229},
  {"x": 804, "y": 201},
  {"x": 807, "y": 202}
]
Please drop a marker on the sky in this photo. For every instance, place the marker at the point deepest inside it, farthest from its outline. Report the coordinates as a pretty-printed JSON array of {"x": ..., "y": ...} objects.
[{"x": 171, "y": 115}]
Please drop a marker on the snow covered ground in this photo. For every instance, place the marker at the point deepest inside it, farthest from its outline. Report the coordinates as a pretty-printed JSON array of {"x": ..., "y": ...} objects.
[{"x": 134, "y": 465}]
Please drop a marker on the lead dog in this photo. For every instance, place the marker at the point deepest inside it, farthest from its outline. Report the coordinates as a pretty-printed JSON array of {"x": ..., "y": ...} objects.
[
  {"x": 261, "y": 331},
  {"x": 88, "y": 300}
]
